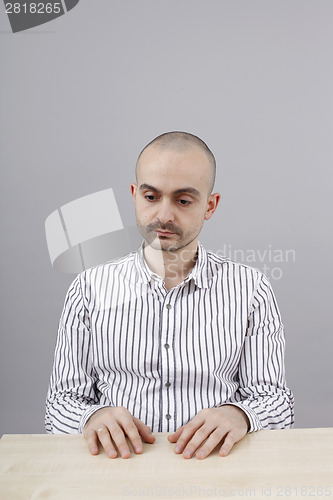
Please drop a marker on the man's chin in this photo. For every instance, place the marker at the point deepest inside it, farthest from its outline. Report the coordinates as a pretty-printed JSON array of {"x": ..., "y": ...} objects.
[{"x": 162, "y": 244}]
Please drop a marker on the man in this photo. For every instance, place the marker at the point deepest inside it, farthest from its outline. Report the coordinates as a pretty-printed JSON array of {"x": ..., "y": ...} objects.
[{"x": 171, "y": 337}]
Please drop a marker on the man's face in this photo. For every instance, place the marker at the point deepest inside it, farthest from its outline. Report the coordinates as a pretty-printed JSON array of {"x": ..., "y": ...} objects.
[{"x": 171, "y": 196}]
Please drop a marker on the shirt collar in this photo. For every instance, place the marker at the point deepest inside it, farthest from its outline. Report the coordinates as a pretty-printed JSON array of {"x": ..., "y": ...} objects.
[{"x": 200, "y": 272}]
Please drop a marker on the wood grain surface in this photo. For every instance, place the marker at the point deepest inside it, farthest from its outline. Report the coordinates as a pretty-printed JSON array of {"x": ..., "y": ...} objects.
[{"x": 294, "y": 464}]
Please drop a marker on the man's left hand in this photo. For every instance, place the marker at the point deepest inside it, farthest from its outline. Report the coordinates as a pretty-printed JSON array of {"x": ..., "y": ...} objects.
[{"x": 227, "y": 423}]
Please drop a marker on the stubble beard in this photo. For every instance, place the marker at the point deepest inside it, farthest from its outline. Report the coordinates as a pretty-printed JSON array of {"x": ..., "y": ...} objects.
[{"x": 162, "y": 243}]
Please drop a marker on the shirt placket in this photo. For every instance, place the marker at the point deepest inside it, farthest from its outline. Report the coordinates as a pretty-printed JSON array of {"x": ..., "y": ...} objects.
[{"x": 167, "y": 401}]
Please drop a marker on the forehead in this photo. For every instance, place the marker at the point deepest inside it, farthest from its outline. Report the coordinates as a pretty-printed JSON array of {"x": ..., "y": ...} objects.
[{"x": 168, "y": 169}]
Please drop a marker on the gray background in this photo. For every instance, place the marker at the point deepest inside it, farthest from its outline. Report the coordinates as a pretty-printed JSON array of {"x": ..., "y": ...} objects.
[{"x": 80, "y": 97}]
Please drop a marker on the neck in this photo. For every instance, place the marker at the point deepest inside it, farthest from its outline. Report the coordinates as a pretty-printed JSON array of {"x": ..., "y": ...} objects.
[{"x": 172, "y": 267}]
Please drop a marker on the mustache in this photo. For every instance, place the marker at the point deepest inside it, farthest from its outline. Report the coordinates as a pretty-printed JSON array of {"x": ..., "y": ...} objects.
[{"x": 164, "y": 227}]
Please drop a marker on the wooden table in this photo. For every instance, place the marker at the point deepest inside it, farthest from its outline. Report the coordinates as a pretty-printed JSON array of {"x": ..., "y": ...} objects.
[{"x": 294, "y": 464}]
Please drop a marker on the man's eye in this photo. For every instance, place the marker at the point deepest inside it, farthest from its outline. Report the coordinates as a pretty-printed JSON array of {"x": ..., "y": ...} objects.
[
  {"x": 184, "y": 202},
  {"x": 150, "y": 197}
]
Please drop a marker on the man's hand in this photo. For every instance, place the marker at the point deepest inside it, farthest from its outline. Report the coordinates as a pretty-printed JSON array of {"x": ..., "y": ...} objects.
[
  {"x": 110, "y": 426},
  {"x": 227, "y": 423}
]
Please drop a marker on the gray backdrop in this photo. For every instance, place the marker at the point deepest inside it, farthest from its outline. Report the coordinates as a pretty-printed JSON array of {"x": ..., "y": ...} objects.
[{"x": 80, "y": 97}]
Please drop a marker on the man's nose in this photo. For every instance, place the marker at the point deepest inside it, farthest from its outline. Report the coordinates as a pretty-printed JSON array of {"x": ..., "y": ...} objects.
[{"x": 165, "y": 213}]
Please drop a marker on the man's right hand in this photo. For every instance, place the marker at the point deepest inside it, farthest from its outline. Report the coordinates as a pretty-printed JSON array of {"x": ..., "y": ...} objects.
[{"x": 110, "y": 426}]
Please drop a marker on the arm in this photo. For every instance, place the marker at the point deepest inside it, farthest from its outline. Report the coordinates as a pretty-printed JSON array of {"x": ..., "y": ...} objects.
[
  {"x": 262, "y": 392},
  {"x": 71, "y": 397}
]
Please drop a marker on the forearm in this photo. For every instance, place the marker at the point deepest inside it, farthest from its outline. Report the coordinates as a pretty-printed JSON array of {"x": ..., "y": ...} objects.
[
  {"x": 67, "y": 413},
  {"x": 266, "y": 406},
  {"x": 71, "y": 397}
]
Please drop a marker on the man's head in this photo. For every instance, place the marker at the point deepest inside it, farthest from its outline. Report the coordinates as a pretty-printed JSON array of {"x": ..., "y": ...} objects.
[
  {"x": 181, "y": 142},
  {"x": 175, "y": 176}
]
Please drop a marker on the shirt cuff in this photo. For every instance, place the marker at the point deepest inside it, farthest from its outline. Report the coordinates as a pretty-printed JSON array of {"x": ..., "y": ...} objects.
[
  {"x": 255, "y": 424},
  {"x": 88, "y": 413}
]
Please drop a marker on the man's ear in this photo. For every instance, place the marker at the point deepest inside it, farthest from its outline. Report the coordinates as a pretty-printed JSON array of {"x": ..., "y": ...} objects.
[
  {"x": 212, "y": 203},
  {"x": 134, "y": 188}
]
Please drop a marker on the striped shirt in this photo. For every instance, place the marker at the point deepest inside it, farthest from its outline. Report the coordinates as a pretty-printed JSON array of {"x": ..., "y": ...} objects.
[{"x": 125, "y": 340}]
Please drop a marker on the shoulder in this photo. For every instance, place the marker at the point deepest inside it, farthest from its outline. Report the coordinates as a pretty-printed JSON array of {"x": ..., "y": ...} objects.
[
  {"x": 115, "y": 267},
  {"x": 221, "y": 263},
  {"x": 236, "y": 276}
]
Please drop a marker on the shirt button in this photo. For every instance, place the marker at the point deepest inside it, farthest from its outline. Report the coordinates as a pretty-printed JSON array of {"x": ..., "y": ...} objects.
[
  {"x": 168, "y": 306},
  {"x": 166, "y": 346},
  {"x": 168, "y": 416},
  {"x": 167, "y": 384}
]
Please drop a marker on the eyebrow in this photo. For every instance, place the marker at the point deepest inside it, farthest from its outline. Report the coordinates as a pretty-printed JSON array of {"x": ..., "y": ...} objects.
[{"x": 189, "y": 190}]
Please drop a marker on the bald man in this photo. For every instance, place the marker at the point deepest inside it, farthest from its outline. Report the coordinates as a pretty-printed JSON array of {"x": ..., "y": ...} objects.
[{"x": 170, "y": 338}]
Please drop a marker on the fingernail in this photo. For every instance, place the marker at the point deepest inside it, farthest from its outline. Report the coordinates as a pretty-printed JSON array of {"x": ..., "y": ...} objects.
[
  {"x": 177, "y": 449},
  {"x": 187, "y": 454}
]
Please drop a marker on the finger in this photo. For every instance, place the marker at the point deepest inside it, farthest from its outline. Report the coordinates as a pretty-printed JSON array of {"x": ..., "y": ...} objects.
[
  {"x": 188, "y": 432},
  {"x": 92, "y": 441},
  {"x": 198, "y": 439},
  {"x": 105, "y": 440},
  {"x": 175, "y": 436},
  {"x": 144, "y": 431},
  {"x": 213, "y": 440},
  {"x": 227, "y": 445},
  {"x": 119, "y": 438},
  {"x": 132, "y": 432}
]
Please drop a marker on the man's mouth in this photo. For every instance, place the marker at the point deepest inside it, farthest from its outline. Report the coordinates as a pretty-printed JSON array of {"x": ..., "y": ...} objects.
[{"x": 164, "y": 233}]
